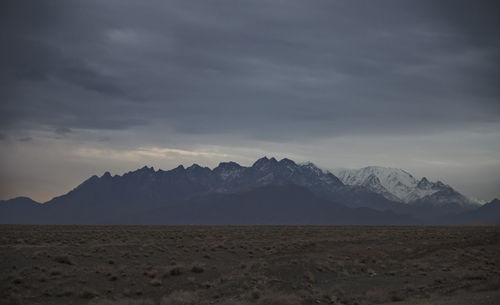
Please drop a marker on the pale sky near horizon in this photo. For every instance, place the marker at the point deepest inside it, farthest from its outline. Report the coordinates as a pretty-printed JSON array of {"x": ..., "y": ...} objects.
[{"x": 113, "y": 85}]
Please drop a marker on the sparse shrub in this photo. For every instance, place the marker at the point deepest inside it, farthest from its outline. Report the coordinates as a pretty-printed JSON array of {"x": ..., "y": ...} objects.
[
  {"x": 303, "y": 293},
  {"x": 234, "y": 302},
  {"x": 47, "y": 293},
  {"x": 63, "y": 260},
  {"x": 123, "y": 302},
  {"x": 382, "y": 295},
  {"x": 474, "y": 276},
  {"x": 155, "y": 282},
  {"x": 55, "y": 271},
  {"x": 255, "y": 294},
  {"x": 64, "y": 293},
  {"x": 309, "y": 276},
  {"x": 175, "y": 271},
  {"x": 206, "y": 284},
  {"x": 151, "y": 273},
  {"x": 16, "y": 279},
  {"x": 396, "y": 297},
  {"x": 276, "y": 298},
  {"x": 88, "y": 294},
  {"x": 341, "y": 295},
  {"x": 14, "y": 300},
  {"x": 371, "y": 272},
  {"x": 181, "y": 298},
  {"x": 347, "y": 299},
  {"x": 197, "y": 269}
]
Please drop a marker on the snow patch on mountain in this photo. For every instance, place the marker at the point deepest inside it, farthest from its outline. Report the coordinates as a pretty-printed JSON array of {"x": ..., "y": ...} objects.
[
  {"x": 399, "y": 185},
  {"x": 392, "y": 183},
  {"x": 312, "y": 167}
]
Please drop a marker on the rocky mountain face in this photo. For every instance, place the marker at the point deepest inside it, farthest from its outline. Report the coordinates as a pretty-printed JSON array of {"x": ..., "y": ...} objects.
[
  {"x": 175, "y": 196},
  {"x": 160, "y": 186}
]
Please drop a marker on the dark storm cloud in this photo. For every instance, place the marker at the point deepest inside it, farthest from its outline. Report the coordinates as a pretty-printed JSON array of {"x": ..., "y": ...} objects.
[
  {"x": 479, "y": 23},
  {"x": 268, "y": 70}
]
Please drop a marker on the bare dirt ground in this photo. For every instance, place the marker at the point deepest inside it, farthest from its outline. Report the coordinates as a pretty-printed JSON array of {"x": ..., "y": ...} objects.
[{"x": 183, "y": 265}]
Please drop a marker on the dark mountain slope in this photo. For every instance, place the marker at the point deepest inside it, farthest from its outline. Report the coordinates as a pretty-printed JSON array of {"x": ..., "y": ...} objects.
[
  {"x": 271, "y": 204},
  {"x": 488, "y": 213},
  {"x": 20, "y": 210}
]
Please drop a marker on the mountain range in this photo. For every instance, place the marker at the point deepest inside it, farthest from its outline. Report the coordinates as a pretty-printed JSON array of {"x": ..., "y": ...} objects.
[{"x": 268, "y": 192}]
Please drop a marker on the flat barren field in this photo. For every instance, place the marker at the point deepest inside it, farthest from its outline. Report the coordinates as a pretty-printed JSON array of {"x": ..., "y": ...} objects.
[{"x": 184, "y": 265}]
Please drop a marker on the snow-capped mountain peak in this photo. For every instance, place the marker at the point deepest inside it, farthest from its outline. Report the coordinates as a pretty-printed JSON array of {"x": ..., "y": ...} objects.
[
  {"x": 397, "y": 182},
  {"x": 399, "y": 185}
]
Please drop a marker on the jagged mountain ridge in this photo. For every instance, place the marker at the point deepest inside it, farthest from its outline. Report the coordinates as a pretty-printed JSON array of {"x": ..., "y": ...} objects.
[
  {"x": 160, "y": 187},
  {"x": 195, "y": 180},
  {"x": 399, "y": 185}
]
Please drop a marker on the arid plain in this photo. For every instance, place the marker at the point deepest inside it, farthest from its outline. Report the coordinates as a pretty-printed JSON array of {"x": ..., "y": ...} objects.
[{"x": 175, "y": 265}]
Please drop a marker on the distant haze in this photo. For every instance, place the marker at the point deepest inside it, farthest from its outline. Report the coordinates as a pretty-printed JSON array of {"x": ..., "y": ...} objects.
[{"x": 94, "y": 86}]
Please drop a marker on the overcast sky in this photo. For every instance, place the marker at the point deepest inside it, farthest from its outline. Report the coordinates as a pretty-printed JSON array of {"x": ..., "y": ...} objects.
[{"x": 113, "y": 85}]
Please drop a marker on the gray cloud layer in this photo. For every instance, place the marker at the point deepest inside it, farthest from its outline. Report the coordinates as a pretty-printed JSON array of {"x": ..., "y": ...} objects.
[
  {"x": 282, "y": 71},
  {"x": 322, "y": 67}
]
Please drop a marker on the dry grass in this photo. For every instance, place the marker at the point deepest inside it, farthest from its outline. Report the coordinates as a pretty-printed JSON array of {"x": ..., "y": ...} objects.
[
  {"x": 181, "y": 298},
  {"x": 123, "y": 302},
  {"x": 277, "y": 298},
  {"x": 84, "y": 265},
  {"x": 382, "y": 295}
]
